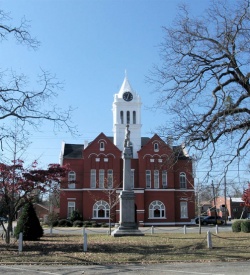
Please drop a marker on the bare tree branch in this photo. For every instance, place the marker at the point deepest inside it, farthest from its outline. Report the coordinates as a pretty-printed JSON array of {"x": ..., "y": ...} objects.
[{"x": 203, "y": 79}]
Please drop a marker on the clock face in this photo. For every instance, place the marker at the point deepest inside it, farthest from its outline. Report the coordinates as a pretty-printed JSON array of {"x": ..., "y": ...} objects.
[{"x": 127, "y": 96}]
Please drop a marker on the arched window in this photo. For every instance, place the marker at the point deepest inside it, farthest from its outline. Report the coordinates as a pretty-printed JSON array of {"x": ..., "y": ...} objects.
[
  {"x": 156, "y": 147},
  {"x": 156, "y": 210},
  {"x": 134, "y": 117},
  {"x": 102, "y": 146},
  {"x": 121, "y": 117},
  {"x": 183, "y": 180},
  {"x": 71, "y": 179},
  {"x": 128, "y": 117},
  {"x": 101, "y": 210}
]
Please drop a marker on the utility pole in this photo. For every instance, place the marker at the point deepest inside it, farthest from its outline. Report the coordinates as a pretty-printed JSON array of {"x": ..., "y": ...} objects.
[
  {"x": 214, "y": 202},
  {"x": 225, "y": 196},
  {"x": 199, "y": 206}
]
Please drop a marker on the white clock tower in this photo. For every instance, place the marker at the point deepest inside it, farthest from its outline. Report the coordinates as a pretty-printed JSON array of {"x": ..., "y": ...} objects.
[{"x": 127, "y": 111}]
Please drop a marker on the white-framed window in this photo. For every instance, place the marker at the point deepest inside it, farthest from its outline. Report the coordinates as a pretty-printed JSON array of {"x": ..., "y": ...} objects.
[
  {"x": 101, "y": 178},
  {"x": 121, "y": 117},
  {"x": 133, "y": 177},
  {"x": 71, "y": 208},
  {"x": 164, "y": 179},
  {"x": 71, "y": 179},
  {"x": 101, "y": 210},
  {"x": 156, "y": 147},
  {"x": 183, "y": 180},
  {"x": 157, "y": 210},
  {"x": 110, "y": 178},
  {"x": 156, "y": 179},
  {"x": 148, "y": 179},
  {"x": 102, "y": 146},
  {"x": 93, "y": 178},
  {"x": 184, "y": 209}
]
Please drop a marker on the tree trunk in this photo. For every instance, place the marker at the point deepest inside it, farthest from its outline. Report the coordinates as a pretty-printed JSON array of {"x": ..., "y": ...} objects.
[{"x": 8, "y": 231}]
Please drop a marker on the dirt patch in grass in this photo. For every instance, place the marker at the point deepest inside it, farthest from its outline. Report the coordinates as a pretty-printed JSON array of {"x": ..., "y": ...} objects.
[{"x": 103, "y": 249}]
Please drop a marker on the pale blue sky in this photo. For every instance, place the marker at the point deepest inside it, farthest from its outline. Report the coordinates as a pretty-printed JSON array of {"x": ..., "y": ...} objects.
[{"x": 89, "y": 44}]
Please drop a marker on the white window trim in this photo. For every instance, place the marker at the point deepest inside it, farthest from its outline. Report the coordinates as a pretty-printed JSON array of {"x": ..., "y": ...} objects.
[
  {"x": 183, "y": 175},
  {"x": 154, "y": 204},
  {"x": 96, "y": 207},
  {"x": 156, "y": 179},
  {"x": 101, "y": 178},
  {"x": 164, "y": 177},
  {"x": 184, "y": 210},
  {"x": 93, "y": 178},
  {"x": 148, "y": 175},
  {"x": 71, "y": 208}
]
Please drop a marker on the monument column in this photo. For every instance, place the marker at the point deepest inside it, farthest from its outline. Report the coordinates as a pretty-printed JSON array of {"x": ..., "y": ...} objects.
[{"x": 127, "y": 224}]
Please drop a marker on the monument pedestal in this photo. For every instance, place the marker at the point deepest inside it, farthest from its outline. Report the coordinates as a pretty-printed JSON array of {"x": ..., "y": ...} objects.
[{"x": 128, "y": 226}]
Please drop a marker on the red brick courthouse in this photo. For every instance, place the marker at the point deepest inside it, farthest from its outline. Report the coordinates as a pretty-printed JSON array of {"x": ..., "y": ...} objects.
[{"x": 160, "y": 173}]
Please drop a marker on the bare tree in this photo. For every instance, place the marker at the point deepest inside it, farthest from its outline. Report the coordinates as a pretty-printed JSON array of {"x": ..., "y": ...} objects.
[
  {"x": 203, "y": 80},
  {"x": 109, "y": 193},
  {"x": 29, "y": 105}
]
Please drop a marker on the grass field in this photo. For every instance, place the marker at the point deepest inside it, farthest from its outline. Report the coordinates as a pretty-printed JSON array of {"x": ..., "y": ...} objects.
[{"x": 103, "y": 249}]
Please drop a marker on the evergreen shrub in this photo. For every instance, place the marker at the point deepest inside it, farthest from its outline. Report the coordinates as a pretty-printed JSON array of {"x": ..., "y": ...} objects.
[
  {"x": 104, "y": 224},
  {"x": 64, "y": 222},
  {"x": 245, "y": 226},
  {"x": 76, "y": 216},
  {"x": 29, "y": 224},
  {"x": 87, "y": 224},
  {"x": 236, "y": 226},
  {"x": 93, "y": 224},
  {"x": 78, "y": 223},
  {"x": 55, "y": 223}
]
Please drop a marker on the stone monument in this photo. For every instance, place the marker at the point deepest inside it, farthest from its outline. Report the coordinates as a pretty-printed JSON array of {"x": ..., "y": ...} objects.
[{"x": 127, "y": 225}]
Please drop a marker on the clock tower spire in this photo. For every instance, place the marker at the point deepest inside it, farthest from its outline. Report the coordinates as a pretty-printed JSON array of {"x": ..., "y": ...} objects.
[{"x": 127, "y": 111}]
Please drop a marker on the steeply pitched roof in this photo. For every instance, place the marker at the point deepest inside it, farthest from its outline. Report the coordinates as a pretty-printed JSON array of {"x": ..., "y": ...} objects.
[
  {"x": 144, "y": 140},
  {"x": 126, "y": 87},
  {"x": 73, "y": 151}
]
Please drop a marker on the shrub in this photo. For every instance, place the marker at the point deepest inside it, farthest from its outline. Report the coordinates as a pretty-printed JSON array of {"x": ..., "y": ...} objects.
[
  {"x": 87, "y": 224},
  {"x": 55, "y": 223},
  {"x": 29, "y": 224},
  {"x": 64, "y": 222},
  {"x": 76, "y": 216},
  {"x": 236, "y": 226},
  {"x": 78, "y": 223},
  {"x": 245, "y": 226},
  {"x": 104, "y": 224},
  {"x": 93, "y": 224}
]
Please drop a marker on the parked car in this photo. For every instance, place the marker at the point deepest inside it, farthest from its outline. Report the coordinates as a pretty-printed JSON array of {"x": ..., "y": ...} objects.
[
  {"x": 3, "y": 219},
  {"x": 197, "y": 219},
  {"x": 212, "y": 220}
]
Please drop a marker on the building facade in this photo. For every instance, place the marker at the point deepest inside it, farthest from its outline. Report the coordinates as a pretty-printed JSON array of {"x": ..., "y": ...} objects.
[
  {"x": 233, "y": 208},
  {"x": 161, "y": 174}
]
